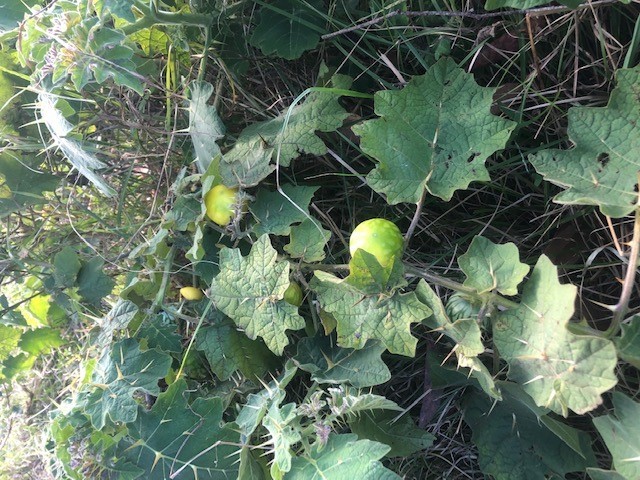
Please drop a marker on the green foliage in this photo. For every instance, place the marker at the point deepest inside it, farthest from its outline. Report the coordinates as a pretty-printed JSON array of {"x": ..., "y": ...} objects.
[
  {"x": 175, "y": 438},
  {"x": 361, "y": 317},
  {"x": 250, "y": 290},
  {"x": 513, "y": 442},
  {"x": 490, "y": 267},
  {"x": 288, "y": 28},
  {"x": 241, "y": 383},
  {"x": 559, "y": 369},
  {"x": 601, "y": 167},
  {"x": 621, "y": 433},
  {"x": 435, "y": 133}
]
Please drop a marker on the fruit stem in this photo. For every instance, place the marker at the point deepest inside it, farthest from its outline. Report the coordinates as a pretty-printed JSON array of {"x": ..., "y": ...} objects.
[{"x": 453, "y": 285}]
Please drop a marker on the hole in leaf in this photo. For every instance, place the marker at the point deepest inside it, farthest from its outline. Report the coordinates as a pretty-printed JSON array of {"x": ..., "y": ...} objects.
[
  {"x": 603, "y": 159},
  {"x": 473, "y": 156}
]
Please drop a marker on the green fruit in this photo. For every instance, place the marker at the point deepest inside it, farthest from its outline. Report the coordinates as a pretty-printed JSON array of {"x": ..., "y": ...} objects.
[
  {"x": 191, "y": 293},
  {"x": 293, "y": 294},
  {"x": 220, "y": 202},
  {"x": 379, "y": 237}
]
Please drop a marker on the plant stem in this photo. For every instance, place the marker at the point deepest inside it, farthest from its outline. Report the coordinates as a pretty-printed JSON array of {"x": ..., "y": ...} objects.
[
  {"x": 166, "y": 274},
  {"x": 621, "y": 308},
  {"x": 453, "y": 285}
]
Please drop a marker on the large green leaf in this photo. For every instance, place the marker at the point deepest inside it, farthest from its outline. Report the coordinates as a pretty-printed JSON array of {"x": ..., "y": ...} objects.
[
  {"x": 251, "y": 290},
  {"x": 159, "y": 332},
  {"x": 344, "y": 457},
  {"x": 361, "y": 317},
  {"x": 621, "y": 433},
  {"x": 288, "y": 28},
  {"x": 320, "y": 112},
  {"x": 284, "y": 431},
  {"x": 120, "y": 373},
  {"x": 490, "y": 267},
  {"x": 66, "y": 267},
  {"x": 402, "y": 435},
  {"x": 275, "y": 213},
  {"x": 9, "y": 339},
  {"x": 229, "y": 350},
  {"x": 93, "y": 283},
  {"x": 559, "y": 369},
  {"x": 182, "y": 441},
  {"x": 205, "y": 126},
  {"x": 329, "y": 363},
  {"x": 514, "y": 444},
  {"x": 22, "y": 183},
  {"x": 308, "y": 240},
  {"x": 246, "y": 164},
  {"x": 12, "y": 12},
  {"x": 435, "y": 133},
  {"x": 601, "y": 168}
]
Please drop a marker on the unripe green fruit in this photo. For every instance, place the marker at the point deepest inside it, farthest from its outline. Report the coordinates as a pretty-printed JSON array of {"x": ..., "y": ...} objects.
[
  {"x": 379, "y": 237},
  {"x": 220, "y": 202},
  {"x": 293, "y": 294}
]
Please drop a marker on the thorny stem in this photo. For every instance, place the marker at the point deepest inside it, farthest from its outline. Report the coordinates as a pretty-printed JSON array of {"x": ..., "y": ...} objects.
[
  {"x": 621, "y": 308},
  {"x": 166, "y": 274}
]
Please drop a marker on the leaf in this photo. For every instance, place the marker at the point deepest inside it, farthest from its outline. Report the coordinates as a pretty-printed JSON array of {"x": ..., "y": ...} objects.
[
  {"x": 559, "y": 369},
  {"x": 402, "y": 435},
  {"x": 628, "y": 344},
  {"x": 275, "y": 213},
  {"x": 435, "y": 133},
  {"x": 160, "y": 333},
  {"x": 490, "y": 267},
  {"x": 308, "y": 240},
  {"x": 178, "y": 440},
  {"x": 288, "y": 28},
  {"x": 601, "y": 168},
  {"x": 40, "y": 340},
  {"x": 66, "y": 267},
  {"x": 282, "y": 435},
  {"x": 12, "y": 12},
  {"x": 250, "y": 290},
  {"x": 345, "y": 403},
  {"x": 344, "y": 457},
  {"x": 22, "y": 183},
  {"x": 257, "y": 405},
  {"x": 368, "y": 276},
  {"x": 229, "y": 350},
  {"x": 329, "y": 363},
  {"x": 9, "y": 339},
  {"x": 184, "y": 213},
  {"x": 85, "y": 162},
  {"x": 93, "y": 284},
  {"x": 361, "y": 317},
  {"x": 119, "y": 8},
  {"x": 120, "y": 373},
  {"x": 246, "y": 164},
  {"x": 465, "y": 333},
  {"x": 117, "y": 319},
  {"x": 320, "y": 112},
  {"x": 205, "y": 126},
  {"x": 513, "y": 444},
  {"x": 621, "y": 433}
]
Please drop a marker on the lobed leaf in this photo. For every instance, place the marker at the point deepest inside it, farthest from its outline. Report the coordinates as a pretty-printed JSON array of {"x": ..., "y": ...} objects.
[{"x": 559, "y": 369}]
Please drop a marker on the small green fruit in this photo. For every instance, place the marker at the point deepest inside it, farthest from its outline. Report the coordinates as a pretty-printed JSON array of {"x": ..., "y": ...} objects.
[
  {"x": 293, "y": 294},
  {"x": 220, "y": 202},
  {"x": 379, "y": 237}
]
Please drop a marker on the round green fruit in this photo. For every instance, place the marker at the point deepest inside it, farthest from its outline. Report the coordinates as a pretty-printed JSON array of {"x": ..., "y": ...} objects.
[
  {"x": 379, "y": 237},
  {"x": 293, "y": 294},
  {"x": 191, "y": 293},
  {"x": 220, "y": 202}
]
